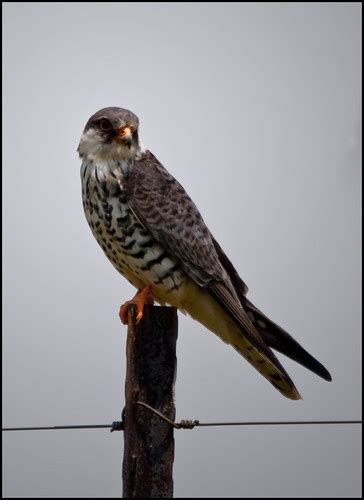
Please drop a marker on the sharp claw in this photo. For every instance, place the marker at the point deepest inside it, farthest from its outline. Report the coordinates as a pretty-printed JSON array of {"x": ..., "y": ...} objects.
[{"x": 141, "y": 298}]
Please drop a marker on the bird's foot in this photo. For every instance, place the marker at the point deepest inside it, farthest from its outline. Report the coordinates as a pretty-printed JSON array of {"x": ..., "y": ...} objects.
[{"x": 139, "y": 300}]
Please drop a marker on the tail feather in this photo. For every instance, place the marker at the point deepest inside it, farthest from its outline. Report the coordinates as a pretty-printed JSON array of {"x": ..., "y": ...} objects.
[
  {"x": 277, "y": 338},
  {"x": 273, "y": 372},
  {"x": 205, "y": 308}
]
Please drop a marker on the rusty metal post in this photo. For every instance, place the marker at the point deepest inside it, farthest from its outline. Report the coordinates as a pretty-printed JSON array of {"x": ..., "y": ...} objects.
[{"x": 150, "y": 378}]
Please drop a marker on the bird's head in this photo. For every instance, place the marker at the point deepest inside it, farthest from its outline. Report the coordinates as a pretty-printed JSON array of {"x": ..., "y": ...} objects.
[{"x": 110, "y": 134}]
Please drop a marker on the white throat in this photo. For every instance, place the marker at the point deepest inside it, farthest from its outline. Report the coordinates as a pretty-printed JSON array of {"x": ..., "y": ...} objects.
[{"x": 93, "y": 149}]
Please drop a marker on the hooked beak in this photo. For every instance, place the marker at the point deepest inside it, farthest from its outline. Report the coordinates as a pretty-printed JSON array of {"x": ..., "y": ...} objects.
[{"x": 125, "y": 135}]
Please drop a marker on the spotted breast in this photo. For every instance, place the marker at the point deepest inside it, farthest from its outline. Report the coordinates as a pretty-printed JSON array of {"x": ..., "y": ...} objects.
[{"x": 127, "y": 244}]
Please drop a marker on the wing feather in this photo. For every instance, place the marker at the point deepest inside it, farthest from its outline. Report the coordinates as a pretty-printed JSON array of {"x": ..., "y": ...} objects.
[
  {"x": 162, "y": 205},
  {"x": 165, "y": 209},
  {"x": 234, "y": 308}
]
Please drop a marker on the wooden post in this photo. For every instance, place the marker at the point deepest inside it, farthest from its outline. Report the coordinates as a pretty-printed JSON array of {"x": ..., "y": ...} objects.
[{"x": 150, "y": 378}]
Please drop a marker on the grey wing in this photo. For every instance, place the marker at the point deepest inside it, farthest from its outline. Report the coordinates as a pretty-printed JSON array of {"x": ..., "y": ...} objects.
[
  {"x": 240, "y": 287},
  {"x": 165, "y": 209}
]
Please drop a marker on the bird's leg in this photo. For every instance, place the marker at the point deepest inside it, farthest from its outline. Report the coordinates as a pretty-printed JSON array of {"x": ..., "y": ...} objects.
[{"x": 142, "y": 297}]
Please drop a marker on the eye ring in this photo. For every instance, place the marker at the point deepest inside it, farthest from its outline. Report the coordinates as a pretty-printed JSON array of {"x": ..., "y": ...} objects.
[{"x": 105, "y": 125}]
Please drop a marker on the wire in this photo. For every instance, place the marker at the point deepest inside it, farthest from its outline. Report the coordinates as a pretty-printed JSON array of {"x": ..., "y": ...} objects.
[
  {"x": 183, "y": 424},
  {"x": 283, "y": 422},
  {"x": 190, "y": 424},
  {"x": 57, "y": 427},
  {"x": 115, "y": 426}
]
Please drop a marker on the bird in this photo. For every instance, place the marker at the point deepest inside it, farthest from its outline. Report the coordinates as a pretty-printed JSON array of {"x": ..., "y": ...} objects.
[{"x": 154, "y": 235}]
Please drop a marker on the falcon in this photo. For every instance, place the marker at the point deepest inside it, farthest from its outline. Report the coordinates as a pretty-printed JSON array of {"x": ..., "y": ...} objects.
[{"x": 154, "y": 235}]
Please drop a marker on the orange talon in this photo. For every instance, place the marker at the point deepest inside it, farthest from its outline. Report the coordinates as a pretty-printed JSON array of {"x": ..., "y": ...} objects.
[{"x": 141, "y": 298}]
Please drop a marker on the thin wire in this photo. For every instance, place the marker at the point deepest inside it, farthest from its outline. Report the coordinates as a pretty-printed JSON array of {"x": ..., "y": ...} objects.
[
  {"x": 183, "y": 424},
  {"x": 283, "y": 422},
  {"x": 190, "y": 424},
  {"x": 57, "y": 427},
  {"x": 115, "y": 426}
]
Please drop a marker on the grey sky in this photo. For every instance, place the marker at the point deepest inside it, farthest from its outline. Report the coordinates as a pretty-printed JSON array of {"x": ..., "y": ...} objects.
[{"x": 256, "y": 110}]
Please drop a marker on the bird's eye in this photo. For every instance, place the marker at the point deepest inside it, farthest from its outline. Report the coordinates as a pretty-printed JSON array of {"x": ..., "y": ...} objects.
[{"x": 105, "y": 125}]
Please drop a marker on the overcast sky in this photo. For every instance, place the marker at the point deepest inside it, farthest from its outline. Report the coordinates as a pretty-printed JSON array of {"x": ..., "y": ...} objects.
[{"x": 256, "y": 110}]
